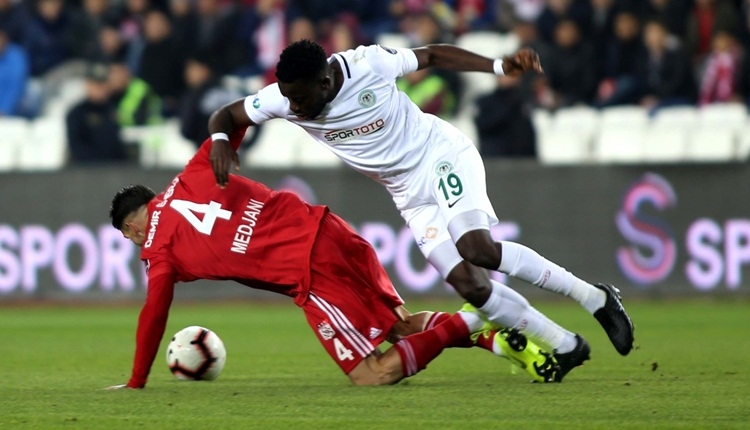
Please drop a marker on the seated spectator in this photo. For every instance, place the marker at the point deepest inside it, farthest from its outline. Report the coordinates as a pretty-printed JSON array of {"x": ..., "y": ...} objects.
[
  {"x": 429, "y": 91},
  {"x": 664, "y": 70},
  {"x": 162, "y": 61},
  {"x": 85, "y": 28},
  {"x": 14, "y": 69},
  {"x": 556, "y": 11},
  {"x": 672, "y": 13},
  {"x": 503, "y": 121},
  {"x": 341, "y": 35},
  {"x": 92, "y": 128},
  {"x": 13, "y": 18},
  {"x": 705, "y": 18},
  {"x": 135, "y": 101},
  {"x": 721, "y": 78},
  {"x": 202, "y": 97},
  {"x": 569, "y": 77},
  {"x": 46, "y": 37},
  {"x": 473, "y": 15},
  {"x": 619, "y": 84},
  {"x": 218, "y": 33},
  {"x": 512, "y": 11}
]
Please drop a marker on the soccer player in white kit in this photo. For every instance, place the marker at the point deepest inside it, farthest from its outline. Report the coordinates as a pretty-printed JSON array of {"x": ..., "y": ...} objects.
[{"x": 349, "y": 103}]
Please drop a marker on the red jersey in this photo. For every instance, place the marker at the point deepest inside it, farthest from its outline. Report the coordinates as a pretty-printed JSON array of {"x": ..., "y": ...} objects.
[{"x": 245, "y": 232}]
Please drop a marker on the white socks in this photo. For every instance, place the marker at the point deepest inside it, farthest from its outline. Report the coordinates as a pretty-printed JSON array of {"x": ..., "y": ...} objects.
[
  {"x": 524, "y": 263},
  {"x": 472, "y": 320},
  {"x": 510, "y": 309}
]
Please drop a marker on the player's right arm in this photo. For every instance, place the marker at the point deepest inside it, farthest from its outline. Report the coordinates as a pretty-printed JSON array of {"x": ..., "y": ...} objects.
[{"x": 227, "y": 119}]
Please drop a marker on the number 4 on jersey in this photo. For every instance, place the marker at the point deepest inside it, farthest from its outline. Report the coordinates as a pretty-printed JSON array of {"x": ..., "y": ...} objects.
[
  {"x": 210, "y": 212},
  {"x": 342, "y": 352}
]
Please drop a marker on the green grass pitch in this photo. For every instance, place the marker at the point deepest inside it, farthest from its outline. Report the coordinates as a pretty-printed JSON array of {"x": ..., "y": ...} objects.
[{"x": 689, "y": 371}]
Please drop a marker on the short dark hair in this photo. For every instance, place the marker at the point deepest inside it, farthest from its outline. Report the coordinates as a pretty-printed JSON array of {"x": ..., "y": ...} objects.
[
  {"x": 128, "y": 200},
  {"x": 302, "y": 60}
]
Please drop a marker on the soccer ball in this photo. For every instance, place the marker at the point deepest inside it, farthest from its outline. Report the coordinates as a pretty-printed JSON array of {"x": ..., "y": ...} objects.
[{"x": 196, "y": 353}]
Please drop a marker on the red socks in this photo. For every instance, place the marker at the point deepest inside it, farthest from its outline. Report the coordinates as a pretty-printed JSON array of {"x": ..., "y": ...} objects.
[
  {"x": 483, "y": 340},
  {"x": 419, "y": 349}
]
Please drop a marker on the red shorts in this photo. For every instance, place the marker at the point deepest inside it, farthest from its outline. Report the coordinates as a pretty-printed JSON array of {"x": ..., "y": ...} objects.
[{"x": 351, "y": 301}]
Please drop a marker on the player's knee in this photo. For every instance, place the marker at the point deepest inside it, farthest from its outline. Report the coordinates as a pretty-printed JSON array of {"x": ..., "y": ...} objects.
[
  {"x": 471, "y": 283},
  {"x": 479, "y": 250}
]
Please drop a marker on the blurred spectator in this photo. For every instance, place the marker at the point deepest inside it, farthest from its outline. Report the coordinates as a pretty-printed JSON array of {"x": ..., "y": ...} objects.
[
  {"x": 619, "y": 83},
  {"x": 722, "y": 73},
  {"x": 424, "y": 28},
  {"x": 512, "y": 11},
  {"x": 162, "y": 60},
  {"x": 376, "y": 19},
  {"x": 473, "y": 15},
  {"x": 203, "y": 96},
  {"x": 184, "y": 22},
  {"x": 300, "y": 29},
  {"x": 430, "y": 91},
  {"x": 673, "y": 13},
  {"x": 110, "y": 44},
  {"x": 528, "y": 37},
  {"x": 47, "y": 36},
  {"x": 342, "y": 35},
  {"x": 665, "y": 70},
  {"x": 706, "y": 17},
  {"x": 264, "y": 27},
  {"x": 14, "y": 73},
  {"x": 601, "y": 29},
  {"x": 503, "y": 121},
  {"x": 131, "y": 16},
  {"x": 219, "y": 34},
  {"x": 92, "y": 128},
  {"x": 13, "y": 18},
  {"x": 87, "y": 23},
  {"x": 131, "y": 19},
  {"x": 578, "y": 11},
  {"x": 569, "y": 77},
  {"x": 135, "y": 101},
  {"x": 319, "y": 11}
]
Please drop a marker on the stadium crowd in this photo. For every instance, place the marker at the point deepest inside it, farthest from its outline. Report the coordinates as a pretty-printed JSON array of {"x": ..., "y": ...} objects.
[{"x": 147, "y": 60}]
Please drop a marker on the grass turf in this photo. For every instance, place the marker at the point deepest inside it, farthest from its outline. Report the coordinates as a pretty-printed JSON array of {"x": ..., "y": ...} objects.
[{"x": 689, "y": 371}]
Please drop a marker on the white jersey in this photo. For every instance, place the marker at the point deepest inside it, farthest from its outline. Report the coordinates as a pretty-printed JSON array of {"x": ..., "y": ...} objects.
[{"x": 371, "y": 125}]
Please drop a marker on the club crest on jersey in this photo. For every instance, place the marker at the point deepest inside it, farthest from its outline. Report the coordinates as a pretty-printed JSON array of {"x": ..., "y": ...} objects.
[
  {"x": 443, "y": 168},
  {"x": 388, "y": 50},
  {"x": 326, "y": 331},
  {"x": 430, "y": 232},
  {"x": 366, "y": 98},
  {"x": 256, "y": 102}
]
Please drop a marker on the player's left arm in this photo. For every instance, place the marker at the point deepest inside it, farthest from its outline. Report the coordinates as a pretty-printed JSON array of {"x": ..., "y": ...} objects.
[
  {"x": 151, "y": 325},
  {"x": 451, "y": 57}
]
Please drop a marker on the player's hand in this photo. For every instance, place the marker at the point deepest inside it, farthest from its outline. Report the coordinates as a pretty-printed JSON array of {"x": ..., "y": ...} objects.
[
  {"x": 222, "y": 158},
  {"x": 118, "y": 387},
  {"x": 524, "y": 60}
]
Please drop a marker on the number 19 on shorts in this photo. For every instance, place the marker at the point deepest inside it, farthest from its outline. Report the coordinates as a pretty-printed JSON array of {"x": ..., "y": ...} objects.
[{"x": 451, "y": 187}]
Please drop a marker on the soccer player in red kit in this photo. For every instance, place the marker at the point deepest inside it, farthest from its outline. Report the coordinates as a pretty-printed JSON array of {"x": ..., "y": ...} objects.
[{"x": 274, "y": 241}]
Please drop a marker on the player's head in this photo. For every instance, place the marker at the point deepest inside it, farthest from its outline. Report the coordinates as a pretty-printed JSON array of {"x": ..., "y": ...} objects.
[
  {"x": 128, "y": 211},
  {"x": 305, "y": 78}
]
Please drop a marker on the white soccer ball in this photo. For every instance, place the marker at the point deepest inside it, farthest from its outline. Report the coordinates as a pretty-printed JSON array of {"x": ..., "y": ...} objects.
[{"x": 196, "y": 353}]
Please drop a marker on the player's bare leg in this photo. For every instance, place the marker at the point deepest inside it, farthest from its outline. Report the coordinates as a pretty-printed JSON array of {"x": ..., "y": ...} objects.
[{"x": 411, "y": 354}]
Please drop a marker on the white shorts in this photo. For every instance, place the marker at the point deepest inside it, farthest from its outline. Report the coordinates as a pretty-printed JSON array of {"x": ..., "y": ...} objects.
[{"x": 451, "y": 182}]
